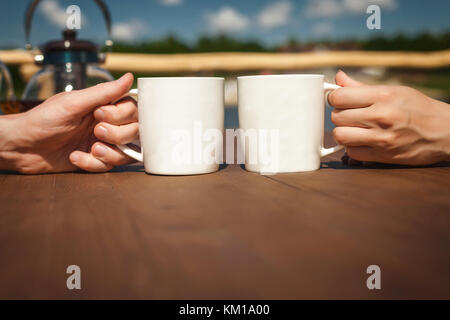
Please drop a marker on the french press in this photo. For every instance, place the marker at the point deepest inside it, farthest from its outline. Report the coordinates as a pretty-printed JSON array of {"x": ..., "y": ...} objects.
[{"x": 66, "y": 64}]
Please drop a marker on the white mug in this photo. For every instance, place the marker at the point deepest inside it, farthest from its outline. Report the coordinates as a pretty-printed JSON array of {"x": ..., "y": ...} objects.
[
  {"x": 290, "y": 108},
  {"x": 174, "y": 113}
]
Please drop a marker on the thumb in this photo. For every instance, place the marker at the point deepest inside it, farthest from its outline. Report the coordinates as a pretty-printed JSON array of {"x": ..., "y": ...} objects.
[
  {"x": 84, "y": 101},
  {"x": 344, "y": 80}
]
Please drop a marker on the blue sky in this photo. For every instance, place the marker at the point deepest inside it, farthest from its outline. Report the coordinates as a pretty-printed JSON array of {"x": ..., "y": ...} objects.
[{"x": 270, "y": 21}]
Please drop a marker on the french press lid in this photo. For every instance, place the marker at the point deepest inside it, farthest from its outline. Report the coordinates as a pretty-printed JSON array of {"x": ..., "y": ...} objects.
[{"x": 70, "y": 49}]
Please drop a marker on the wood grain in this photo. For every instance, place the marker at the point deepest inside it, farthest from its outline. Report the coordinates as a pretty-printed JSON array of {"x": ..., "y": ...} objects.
[{"x": 231, "y": 234}]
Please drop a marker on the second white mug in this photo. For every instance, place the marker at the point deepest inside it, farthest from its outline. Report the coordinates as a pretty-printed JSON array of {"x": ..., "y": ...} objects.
[{"x": 290, "y": 110}]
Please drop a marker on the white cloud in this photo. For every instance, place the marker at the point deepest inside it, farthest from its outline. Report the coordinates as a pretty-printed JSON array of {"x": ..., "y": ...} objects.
[
  {"x": 322, "y": 28},
  {"x": 130, "y": 30},
  {"x": 360, "y": 6},
  {"x": 323, "y": 8},
  {"x": 171, "y": 2},
  {"x": 333, "y": 8},
  {"x": 227, "y": 19},
  {"x": 275, "y": 14},
  {"x": 56, "y": 14}
]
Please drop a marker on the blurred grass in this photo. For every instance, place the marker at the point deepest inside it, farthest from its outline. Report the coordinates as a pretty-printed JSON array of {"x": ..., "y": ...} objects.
[
  {"x": 434, "y": 82},
  {"x": 440, "y": 81}
]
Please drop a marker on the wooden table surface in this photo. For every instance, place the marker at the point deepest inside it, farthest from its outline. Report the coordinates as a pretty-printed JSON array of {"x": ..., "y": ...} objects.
[{"x": 231, "y": 234}]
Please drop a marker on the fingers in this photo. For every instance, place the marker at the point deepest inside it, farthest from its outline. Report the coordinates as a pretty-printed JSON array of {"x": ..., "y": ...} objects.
[
  {"x": 117, "y": 134},
  {"x": 110, "y": 154},
  {"x": 344, "y": 80},
  {"x": 354, "y": 136},
  {"x": 84, "y": 101},
  {"x": 353, "y": 97},
  {"x": 123, "y": 112},
  {"x": 88, "y": 162},
  {"x": 358, "y": 117},
  {"x": 101, "y": 159},
  {"x": 354, "y": 94}
]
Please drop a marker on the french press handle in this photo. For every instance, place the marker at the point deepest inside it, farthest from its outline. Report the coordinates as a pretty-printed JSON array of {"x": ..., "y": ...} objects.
[
  {"x": 10, "y": 96},
  {"x": 32, "y": 7}
]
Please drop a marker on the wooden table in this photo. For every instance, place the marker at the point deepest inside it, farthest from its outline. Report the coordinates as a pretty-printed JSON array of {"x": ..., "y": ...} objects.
[{"x": 231, "y": 234}]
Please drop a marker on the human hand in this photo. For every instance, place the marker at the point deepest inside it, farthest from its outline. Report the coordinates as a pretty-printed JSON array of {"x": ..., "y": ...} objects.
[
  {"x": 389, "y": 124},
  {"x": 64, "y": 132}
]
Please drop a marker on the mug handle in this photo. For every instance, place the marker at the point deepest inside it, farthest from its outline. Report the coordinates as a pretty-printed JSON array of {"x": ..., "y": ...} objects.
[
  {"x": 326, "y": 151},
  {"x": 138, "y": 156}
]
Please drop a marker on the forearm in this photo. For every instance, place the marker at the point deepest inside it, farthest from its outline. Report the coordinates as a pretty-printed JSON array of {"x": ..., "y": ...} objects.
[{"x": 10, "y": 132}]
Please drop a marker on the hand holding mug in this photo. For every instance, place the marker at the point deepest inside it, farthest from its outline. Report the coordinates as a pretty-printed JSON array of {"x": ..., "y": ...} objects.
[
  {"x": 390, "y": 124},
  {"x": 58, "y": 135}
]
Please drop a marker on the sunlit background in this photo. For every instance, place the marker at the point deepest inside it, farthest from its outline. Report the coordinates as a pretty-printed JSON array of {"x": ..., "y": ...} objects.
[{"x": 274, "y": 26}]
